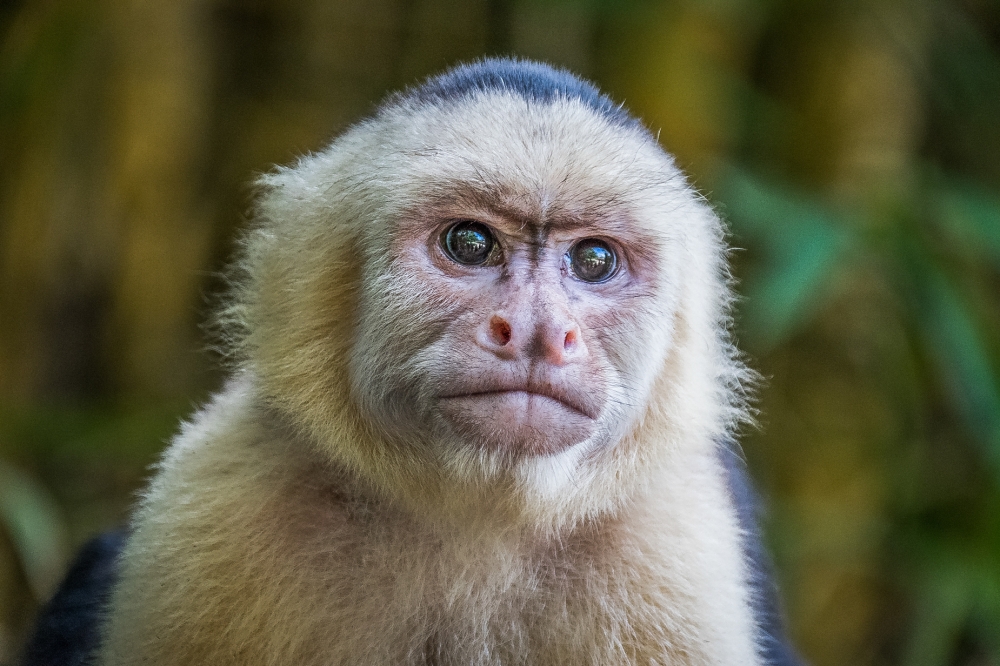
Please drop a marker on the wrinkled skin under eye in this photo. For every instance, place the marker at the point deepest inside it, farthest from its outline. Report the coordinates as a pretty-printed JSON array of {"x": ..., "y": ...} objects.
[
  {"x": 469, "y": 243},
  {"x": 592, "y": 260}
]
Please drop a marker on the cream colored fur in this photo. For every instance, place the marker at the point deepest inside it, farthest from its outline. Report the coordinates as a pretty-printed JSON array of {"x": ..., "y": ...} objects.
[{"x": 285, "y": 526}]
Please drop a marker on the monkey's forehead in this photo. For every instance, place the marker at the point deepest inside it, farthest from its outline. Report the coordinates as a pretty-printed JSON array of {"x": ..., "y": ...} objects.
[
  {"x": 510, "y": 132},
  {"x": 509, "y": 125},
  {"x": 557, "y": 152}
]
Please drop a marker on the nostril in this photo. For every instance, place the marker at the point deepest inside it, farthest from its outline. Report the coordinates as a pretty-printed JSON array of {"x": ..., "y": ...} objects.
[
  {"x": 570, "y": 341},
  {"x": 500, "y": 331}
]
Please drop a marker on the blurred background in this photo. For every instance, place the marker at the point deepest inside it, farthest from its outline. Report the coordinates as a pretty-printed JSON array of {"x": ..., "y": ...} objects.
[{"x": 853, "y": 147}]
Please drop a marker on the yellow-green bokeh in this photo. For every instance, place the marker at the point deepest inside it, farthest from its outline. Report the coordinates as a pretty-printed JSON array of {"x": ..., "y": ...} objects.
[{"x": 851, "y": 146}]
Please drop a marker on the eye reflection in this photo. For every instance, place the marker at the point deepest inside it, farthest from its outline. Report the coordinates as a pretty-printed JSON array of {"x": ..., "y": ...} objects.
[
  {"x": 469, "y": 243},
  {"x": 592, "y": 260}
]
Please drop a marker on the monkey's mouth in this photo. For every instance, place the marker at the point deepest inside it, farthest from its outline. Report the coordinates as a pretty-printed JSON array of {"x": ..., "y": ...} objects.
[
  {"x": 524, "y": 396},
  {"x": 536, "y": 389},
  {"x": 533, "y": 420}
]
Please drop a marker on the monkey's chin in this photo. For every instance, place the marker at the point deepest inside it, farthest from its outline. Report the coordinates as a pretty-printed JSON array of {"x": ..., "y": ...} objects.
[{"x": 517, "y": 422}]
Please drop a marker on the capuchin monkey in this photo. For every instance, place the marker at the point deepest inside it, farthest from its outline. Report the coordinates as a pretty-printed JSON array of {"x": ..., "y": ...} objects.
[{"x": 482, "y": 412}]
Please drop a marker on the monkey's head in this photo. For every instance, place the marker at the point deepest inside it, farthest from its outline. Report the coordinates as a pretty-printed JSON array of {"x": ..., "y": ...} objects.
[{"x": 493, "y": 289}]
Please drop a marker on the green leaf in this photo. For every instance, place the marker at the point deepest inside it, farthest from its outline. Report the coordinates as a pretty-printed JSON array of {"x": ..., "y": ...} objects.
[
  {"x": 960, "y": 355},
  {"x": 971, "y": 218},
  {"x": 799, "y": 242},
  {"x": 943, "y": 606},
  {"x": 36, "y": 527}
]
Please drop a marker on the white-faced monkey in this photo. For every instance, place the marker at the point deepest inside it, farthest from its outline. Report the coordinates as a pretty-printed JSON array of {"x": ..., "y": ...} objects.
[{"x": 480, "y": 415}]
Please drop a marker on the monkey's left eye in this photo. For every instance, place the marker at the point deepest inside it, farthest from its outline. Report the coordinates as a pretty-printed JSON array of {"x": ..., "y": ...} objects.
[
  {"x": 592, "y": 260},
  {"x": 469, "y": 243}
]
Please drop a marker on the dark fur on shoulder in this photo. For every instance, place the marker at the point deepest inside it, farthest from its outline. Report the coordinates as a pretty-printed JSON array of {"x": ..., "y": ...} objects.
[
  {"x": 776, "y": 649},
  {"x": 68, "y": 629}
]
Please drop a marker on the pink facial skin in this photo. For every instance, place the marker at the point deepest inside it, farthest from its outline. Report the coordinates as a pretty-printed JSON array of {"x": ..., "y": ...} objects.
[
  {"x": 529, "y": 392},
  {"x": 516, "y": 355}
]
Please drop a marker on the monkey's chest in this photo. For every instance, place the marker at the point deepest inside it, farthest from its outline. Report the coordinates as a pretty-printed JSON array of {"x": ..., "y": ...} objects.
[{"x": 485, "y": 606}]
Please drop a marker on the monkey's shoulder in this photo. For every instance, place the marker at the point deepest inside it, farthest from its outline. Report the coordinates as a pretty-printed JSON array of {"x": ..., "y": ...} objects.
[
  {"x": 240, "y": 540},
  {"x": 68, "y": 627}
]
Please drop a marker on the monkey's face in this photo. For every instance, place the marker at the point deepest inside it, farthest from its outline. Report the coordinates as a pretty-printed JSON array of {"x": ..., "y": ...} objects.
[
  {"x": 514, "y": 304},
  {"x": 518, "y": 365},
  {"x": 526, "y": 381},
  {"x": 493, "y": 298}
]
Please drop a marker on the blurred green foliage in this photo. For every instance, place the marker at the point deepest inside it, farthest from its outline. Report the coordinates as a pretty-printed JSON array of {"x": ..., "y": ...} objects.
[{"x": 852, "y": 146}]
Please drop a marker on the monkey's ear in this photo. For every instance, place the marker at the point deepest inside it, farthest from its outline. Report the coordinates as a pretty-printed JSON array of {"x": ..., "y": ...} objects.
[
  {"x": 300, "y": 241},
  {"x": 286, "y": 324}
]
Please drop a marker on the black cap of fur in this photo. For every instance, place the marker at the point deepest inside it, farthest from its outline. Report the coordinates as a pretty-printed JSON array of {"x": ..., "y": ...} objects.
[{"x": 534, "y": 81}]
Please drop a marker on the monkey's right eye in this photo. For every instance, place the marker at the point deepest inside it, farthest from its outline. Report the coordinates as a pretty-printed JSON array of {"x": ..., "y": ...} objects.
[{"x": 469, "y": 243}]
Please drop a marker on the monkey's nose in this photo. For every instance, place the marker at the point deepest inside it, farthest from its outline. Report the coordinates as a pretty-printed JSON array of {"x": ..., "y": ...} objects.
[
  {"x": 497, "y": 336},
  {"x": 500, "y": 331},
  {"x": 558, "y": 343}
]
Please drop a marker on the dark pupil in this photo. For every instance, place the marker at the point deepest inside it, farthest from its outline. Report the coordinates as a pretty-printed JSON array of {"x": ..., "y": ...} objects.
[
  {"x": 469, "y": 243},
  {"x": 592, "y": 260}
]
